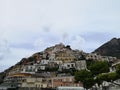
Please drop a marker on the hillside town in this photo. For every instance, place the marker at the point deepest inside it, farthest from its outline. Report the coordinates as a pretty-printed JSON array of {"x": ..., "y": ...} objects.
[{"x": 51, "y": 68}]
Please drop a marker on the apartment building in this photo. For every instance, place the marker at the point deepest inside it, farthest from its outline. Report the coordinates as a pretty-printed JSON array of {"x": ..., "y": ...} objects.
[{"x": 65, "y": 56}]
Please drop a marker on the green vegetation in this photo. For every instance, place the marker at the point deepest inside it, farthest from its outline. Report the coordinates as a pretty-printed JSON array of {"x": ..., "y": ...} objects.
[
  {"x": 99, "y": 67},
  {"x": 85, "y": 77},
  {"x": 118, "y": 70},
  {"x": 109, "y": 77},
  {"x": 97, "y": 73},
  {"x": 112, "y": 76}
]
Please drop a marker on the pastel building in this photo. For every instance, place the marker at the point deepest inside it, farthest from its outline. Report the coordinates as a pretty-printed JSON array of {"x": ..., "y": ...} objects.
[
  {"x": 64, "y": 81},
  {"x": 65, "y": 56},
  {"x": 93, "y": 56}
]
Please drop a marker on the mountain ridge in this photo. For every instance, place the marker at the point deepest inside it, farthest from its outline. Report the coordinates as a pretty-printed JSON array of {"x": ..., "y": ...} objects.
[{"x": 110, "y": 48}]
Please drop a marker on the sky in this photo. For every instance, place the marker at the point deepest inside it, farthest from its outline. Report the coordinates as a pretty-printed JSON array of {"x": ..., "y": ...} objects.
[{"x": 29, "y": 26}]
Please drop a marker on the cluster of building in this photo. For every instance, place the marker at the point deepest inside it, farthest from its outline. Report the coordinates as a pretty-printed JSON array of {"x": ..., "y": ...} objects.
[
  {"x": 24, "y": 80},
  {"x": 41, "y": 70},
  {"x": 59, "y": 57},
  {"x": 45, "y": 69}
]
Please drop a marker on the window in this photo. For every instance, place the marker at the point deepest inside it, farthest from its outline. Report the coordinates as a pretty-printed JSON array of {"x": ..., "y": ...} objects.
[
  {"x": 68, "y": 65},
  {"x": 72, "y": 65}
]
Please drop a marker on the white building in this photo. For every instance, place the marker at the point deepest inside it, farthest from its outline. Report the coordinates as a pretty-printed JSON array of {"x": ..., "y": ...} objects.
[
  {"x": 43, "y": 62},
  {"x": 67, "y": 66},
  {"x": 40, "y": 67},
  {"x": 93, "y": 56},
  {"x": 29, "y": 69}
]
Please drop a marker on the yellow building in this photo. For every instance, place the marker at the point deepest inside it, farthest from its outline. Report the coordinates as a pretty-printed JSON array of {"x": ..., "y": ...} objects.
[
  {"x": 65, "y": 56},
  {"x": 93, "y": 56},
  {"x": 36, "y": 82},
  {"x": 29, "y": 82},
  {"x": 17, "y": 78}
]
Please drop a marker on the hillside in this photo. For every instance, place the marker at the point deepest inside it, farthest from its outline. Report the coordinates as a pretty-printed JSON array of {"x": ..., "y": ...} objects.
[
  {"x": 55, "y": 61},
  {"x": 3, "y": 74},
  {"x": 48, "y": 54},
  {"x": 110, "y": 48}
]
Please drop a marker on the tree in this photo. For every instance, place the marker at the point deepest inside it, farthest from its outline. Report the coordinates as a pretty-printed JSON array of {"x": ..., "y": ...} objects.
[
  {"x": 118, "y": 70},
  {"x": 102, "y": 77},
  {"x": 106, "y": 77},
  {"x": 99, "y": 67},
  {"x": 109, "y": 77},
  {"x": 88, "y": 83},
  {"x": 31, "y": 59},
  {"x": 85, "y": 77},
  {"x": 112, "y": 76}
]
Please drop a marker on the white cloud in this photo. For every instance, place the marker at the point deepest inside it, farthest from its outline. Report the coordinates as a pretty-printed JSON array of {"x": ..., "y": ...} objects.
[
  {"x": 78, "y": 42},
  {"x": 40, "y": 44},
  {"x": 4, "y": 48}
]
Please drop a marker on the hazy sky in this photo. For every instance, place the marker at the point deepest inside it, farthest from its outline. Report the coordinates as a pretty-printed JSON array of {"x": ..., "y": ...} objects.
[{"x": 29, "y": 26}]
